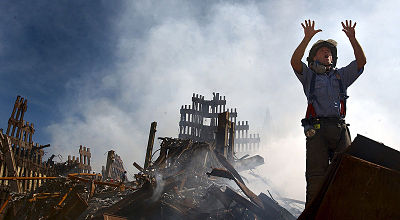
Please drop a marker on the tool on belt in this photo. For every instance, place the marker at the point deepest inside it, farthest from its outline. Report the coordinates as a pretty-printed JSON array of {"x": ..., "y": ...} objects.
[{"x": 311, "y": 122}]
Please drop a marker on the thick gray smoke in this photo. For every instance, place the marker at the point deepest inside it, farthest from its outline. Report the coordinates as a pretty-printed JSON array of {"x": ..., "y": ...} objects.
[{"x": 167, "y": 51}]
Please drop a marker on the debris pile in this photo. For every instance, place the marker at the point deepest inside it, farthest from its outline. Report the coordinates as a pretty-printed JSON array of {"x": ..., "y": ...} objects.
[
  {"x": 185, "y": 182},
  {"x": 188, "y": 180}
]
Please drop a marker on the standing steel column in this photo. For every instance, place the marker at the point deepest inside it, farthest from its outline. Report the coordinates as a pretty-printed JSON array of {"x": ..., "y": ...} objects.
[
  {"x": 222, "y": 133},
  {"x": 150, "y": 145},
  {"x": 231, "y": 147}
]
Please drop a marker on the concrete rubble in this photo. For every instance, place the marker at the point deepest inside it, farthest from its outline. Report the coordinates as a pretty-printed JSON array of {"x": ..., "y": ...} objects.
[{"x": 189, "y": 179}]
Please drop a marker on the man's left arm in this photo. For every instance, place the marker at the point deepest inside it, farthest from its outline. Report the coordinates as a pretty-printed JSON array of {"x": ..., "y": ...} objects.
[{"x": 358, "y": 51}]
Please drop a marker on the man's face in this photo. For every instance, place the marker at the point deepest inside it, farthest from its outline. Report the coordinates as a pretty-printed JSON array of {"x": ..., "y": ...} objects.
[{"x": 324, "y": 56}]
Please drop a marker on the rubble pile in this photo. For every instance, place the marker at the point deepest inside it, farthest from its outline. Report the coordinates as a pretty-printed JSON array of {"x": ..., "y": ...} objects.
[
  {"x": 188, "y": 180},
  {"x": 44, "y": 201},
  {"x": 185, "y": 182},
  {"x": 72, "y": 196}
]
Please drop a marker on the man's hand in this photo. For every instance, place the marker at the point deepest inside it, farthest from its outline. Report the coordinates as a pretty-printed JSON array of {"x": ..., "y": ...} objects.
[
  {"x": 298, "y": 54},
  {"x": 358, "y": 52},
  {"x": 309, "y": 30},
  {"x": 349, "y": 30}
]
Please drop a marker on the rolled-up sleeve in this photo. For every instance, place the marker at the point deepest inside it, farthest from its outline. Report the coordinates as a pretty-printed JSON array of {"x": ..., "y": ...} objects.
[{"x": 350, "y": 73}]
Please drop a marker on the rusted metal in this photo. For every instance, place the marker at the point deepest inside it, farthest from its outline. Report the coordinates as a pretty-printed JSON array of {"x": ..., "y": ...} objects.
[
  {"x": 25, "y": 157},
  {"x": 28, "y": 178},
  {"x": 64, "y": 197},
  {"x": 5, "y": 204},
  {"x": 72, "y": 209},
  {"x": 85, "y": 174},
  {"x": 138, "y": 167},
  {"x": 122, "y": 206},
  {"x": 10, "y": 162},
  {"x": 150, "y": 144},
  {"x": 43, "y": 196},
  {"x": 174, "y": 184},
  {"x": 40, "y": 147},
  {"x": 92, "y": 189},
  {"x": 113, "y": 217},
  {"x": 119, "y": 185}
]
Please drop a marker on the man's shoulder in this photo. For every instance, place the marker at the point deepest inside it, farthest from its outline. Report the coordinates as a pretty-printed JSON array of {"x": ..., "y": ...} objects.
[{"x": 305, "y": 69}]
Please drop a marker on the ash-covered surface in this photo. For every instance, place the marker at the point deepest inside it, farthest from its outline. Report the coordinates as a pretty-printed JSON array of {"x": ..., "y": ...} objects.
[
  {"x": 174, "y": 186},
  {"x": 104, "y": 197}
]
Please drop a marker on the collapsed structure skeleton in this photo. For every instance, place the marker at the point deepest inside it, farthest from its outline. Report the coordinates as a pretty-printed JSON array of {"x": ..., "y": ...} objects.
[{"x": 183, "y": 182}]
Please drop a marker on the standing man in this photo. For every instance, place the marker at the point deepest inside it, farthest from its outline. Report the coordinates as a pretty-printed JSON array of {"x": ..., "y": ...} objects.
[{"x": 325, "y": 87}]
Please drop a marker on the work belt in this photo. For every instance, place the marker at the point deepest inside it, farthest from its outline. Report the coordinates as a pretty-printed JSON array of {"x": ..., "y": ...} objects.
[
  {"x": 311, "y": 125},
  {"x": 328, "y": 120}
]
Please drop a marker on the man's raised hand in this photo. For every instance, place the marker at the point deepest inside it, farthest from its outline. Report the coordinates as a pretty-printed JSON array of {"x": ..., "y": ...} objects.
[
  {"x": 349, "y": 29},
  {"x": 309, "y": 30}
]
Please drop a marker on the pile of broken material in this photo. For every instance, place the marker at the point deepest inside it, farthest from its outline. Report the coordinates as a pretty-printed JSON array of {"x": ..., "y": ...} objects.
[{"x": 188, "y": 180}]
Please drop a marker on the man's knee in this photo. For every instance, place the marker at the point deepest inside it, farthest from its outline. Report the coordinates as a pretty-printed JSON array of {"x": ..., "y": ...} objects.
[{"x": 314, "y": 184}]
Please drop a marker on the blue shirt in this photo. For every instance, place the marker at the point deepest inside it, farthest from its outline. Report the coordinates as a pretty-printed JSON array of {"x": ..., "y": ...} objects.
[{"x": 327, "y": 101}]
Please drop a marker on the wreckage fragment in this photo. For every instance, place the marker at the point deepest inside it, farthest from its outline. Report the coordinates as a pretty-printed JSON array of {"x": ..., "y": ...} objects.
[
  {"x": 366, "y": 178},
  {"x": 82, "y": 162},
  {"x": 150, "y": 144},
  {"x": 172, "y": 186},
  {"x": 175, "y": 186},
  {"x": 20, "y": 156},
  {"x": 114, "y": 168}
]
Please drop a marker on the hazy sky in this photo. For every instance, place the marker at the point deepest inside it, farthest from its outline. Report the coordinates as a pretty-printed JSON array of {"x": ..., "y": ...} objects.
[{"x": 97, "y": 73}]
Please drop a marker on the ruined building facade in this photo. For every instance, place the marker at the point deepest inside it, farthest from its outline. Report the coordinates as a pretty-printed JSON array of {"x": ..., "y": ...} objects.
[
  {"x": 198, "y": 122},
  {"x": 114, "y": 168},
  {"x": 22, "y": 158},
  {"x": 82, "y": 162},
  {"x": 19, "y": 155}
]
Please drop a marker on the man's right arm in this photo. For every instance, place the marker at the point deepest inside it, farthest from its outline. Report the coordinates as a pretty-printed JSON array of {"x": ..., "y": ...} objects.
[{"x": 298, "y": 54}]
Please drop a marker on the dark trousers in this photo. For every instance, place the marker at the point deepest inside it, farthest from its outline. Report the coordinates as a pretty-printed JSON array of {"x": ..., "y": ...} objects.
[{"x": 331, "y": 138}]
